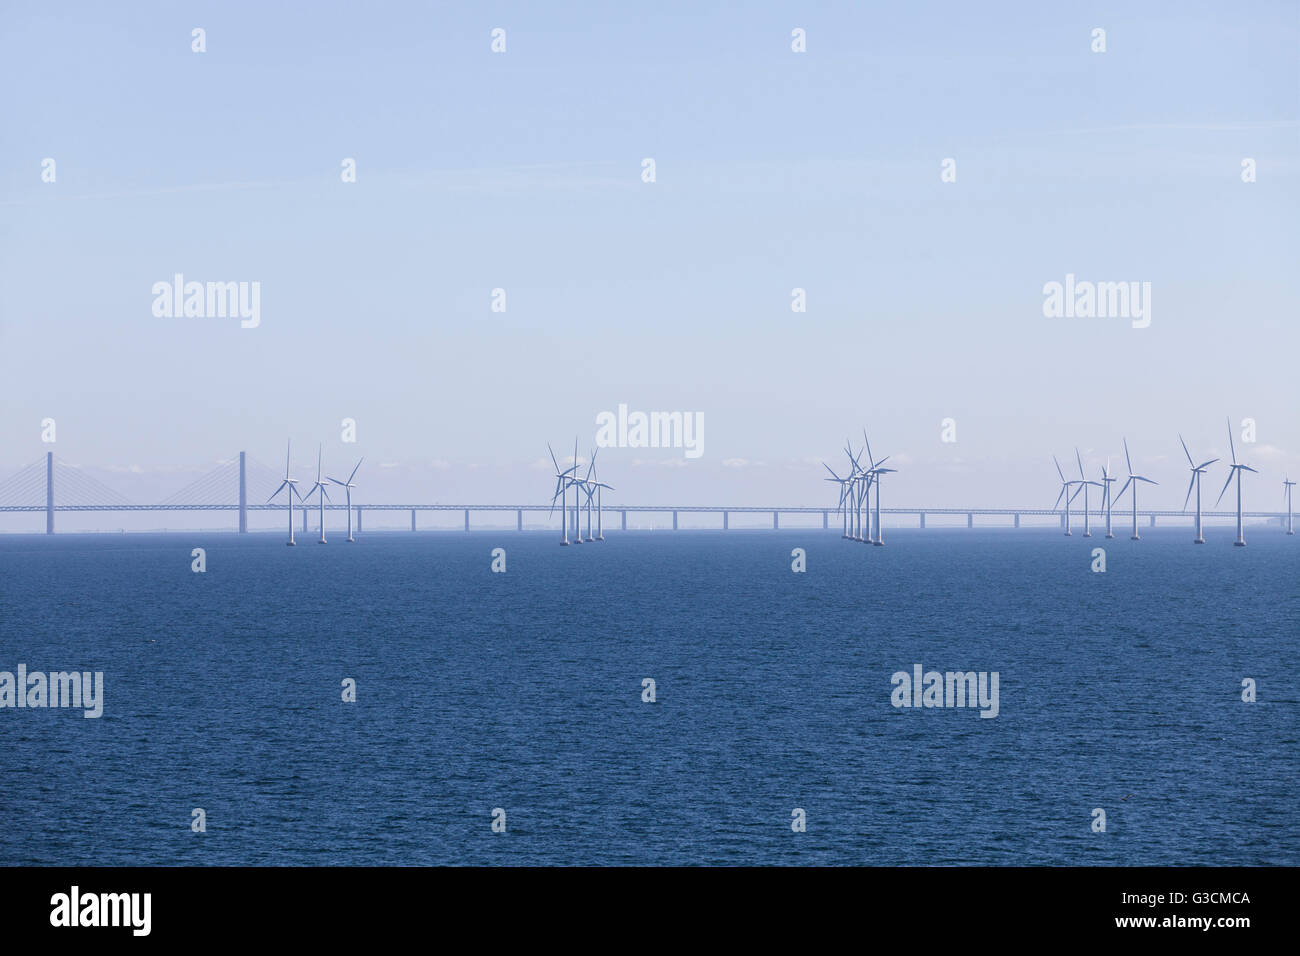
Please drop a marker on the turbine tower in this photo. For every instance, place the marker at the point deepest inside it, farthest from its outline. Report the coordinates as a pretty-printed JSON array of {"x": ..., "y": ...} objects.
[
  {"x": 1133, "y": 480},
  {"x": 873, "y": 475},
  {"x": 1197, "y": 471},
  {"x": 292, "y": 485},
  {"x": 562, "y": 479},
  {"x": 323, "y": 496},
  {"x": 1106, "y": 479},
  {"x": 577, "y": 490},
  {"x": 1235, "y": 469},
  {"x": 861, "y": 487},
  {"x": 1066, "y": 484},
  {"x": 1287, "y": 483},
  {"x": 870, "y": 476},
  {"x": 1084, "y": 483},
  {"x": 347, "y": 489},
  {"x": 844, "y": 484}
]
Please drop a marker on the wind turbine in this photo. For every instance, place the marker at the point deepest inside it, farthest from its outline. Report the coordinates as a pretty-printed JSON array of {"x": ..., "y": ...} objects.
[
  {"x": 292, "y": 485},
  {"x": 600, "y": 514},
  {"x": 1133, "y": 480},
  {"x": 1197, "y": 471},
  {"x": 323, "y": 496},
  {"x": 592, "y": 489},
  {"x": 578, "y": 484},
  {"x": 861, "y": 486},
  {"x": 1286, "y": 487},
  {"x": 1235, "y": 469},
  {"x": 874, "y": 477},
  {"x": 347, "y": 488},
  {"x": 1106, "y": 479},
  {"x": 870, "y": 476},
  {"x": 843, "y": 483},
  {"x": 562, "y": 479},
  {"x": 1066, "y": 484},
  {"x": 1084, "y": 483}
]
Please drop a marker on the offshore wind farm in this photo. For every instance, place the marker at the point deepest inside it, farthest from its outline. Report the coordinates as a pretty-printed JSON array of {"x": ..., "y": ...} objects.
[{"x": 578, "y": 495}]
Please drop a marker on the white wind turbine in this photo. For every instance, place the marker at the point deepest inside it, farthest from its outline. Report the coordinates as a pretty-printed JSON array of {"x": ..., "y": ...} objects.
[
  {"x": 1287, "y": 484},
  {"x": 600, "y": 514},
  {"x": 873, "y": 474},
  {"x": 292, "y": 485},
  {"x": 591, "y": 488},
  {"x": 870, "y": 476},
  {"x": 1106, "y": 479},
  {"x": 1197, "y": 471},
  {"x": 347, "y": 489},
  {"x": 1084, "y": 483},
  {"x": 323, "y": 496},
  {"x": 1066, "y": 484},
  {"x": 579, "y": 485},
  {"x": 1235, "y": 469},
  {"x": 843, "y": 483},
  {"x": 562, "y": 480},
  {"x": 861, "y": 493},
  {"x": 1133, "y": 480}
]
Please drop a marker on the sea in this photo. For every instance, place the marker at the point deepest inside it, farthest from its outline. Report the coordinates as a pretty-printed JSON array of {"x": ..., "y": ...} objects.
[{"x": 656, "y": 698}]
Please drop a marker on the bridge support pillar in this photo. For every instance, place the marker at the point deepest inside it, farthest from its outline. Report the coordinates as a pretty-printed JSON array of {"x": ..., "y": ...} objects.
[
  {"x": 519, "y": 519},
  {"x": 243, "y": 497},
  {"x": 358, "y": 519},
  {"x": 1153, "y": 521},
  {"x": 49, "y": 492},
  {"x": 922, "y": 519},
  {"x": 466, "y": 519},
  {"x": 674, "y": 520},
  {"x": 726, "y": 520},
  {"x": 1062, "y": 519},
  {"x": 304, "y": 520},
  {"x": 826, "y": 520},
  {"x": 412, "y": 519},
  {"x": 1017, "y": 522},
  {"x": 624, "y": 520},
  {"x": 970, "y": 519},
  {"x": 776, "y": 521}
]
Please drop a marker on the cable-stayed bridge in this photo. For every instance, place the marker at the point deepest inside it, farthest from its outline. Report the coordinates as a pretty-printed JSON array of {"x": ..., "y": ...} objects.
[{"x": 243, "y": 484}]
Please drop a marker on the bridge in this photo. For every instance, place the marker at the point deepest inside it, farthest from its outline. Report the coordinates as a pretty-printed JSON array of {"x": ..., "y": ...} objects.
[{"x": 229, "y": 486}]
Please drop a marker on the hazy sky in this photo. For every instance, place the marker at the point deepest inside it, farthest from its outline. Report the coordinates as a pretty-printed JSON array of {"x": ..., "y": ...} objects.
[{"x": 775, "y": 170}]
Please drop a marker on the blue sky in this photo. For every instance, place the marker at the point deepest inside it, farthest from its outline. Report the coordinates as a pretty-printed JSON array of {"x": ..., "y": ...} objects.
[{"x": 775, "y": 170}]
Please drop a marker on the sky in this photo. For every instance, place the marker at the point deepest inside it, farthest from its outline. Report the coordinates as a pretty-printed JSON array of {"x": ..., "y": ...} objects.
[{"x": 774, "y": 170}]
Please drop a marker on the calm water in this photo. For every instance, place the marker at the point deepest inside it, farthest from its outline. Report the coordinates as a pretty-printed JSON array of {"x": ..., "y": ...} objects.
[{"x": 523, "y": 691}]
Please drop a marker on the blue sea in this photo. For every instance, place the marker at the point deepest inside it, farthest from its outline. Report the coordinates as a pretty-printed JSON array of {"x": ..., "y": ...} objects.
[{"x": 523, "y": 690}]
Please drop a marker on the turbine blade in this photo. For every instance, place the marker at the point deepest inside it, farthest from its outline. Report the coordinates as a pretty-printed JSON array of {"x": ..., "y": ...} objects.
[
  {"x": 277, "y": 491},
  {"x": 1079, "y": 460},
  {"x": 1206, "y": 464},
  {"x": 1058, "y": 468},
  {"x": 354, "y": 470},
  {"x": 1225, "y": 487},
  {"x": 1189, "y": 492},
  {"x": 1127, "y": 460},
  {"x": 1185, "y": 451},
  {"x": 1230, "y": 444}
]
